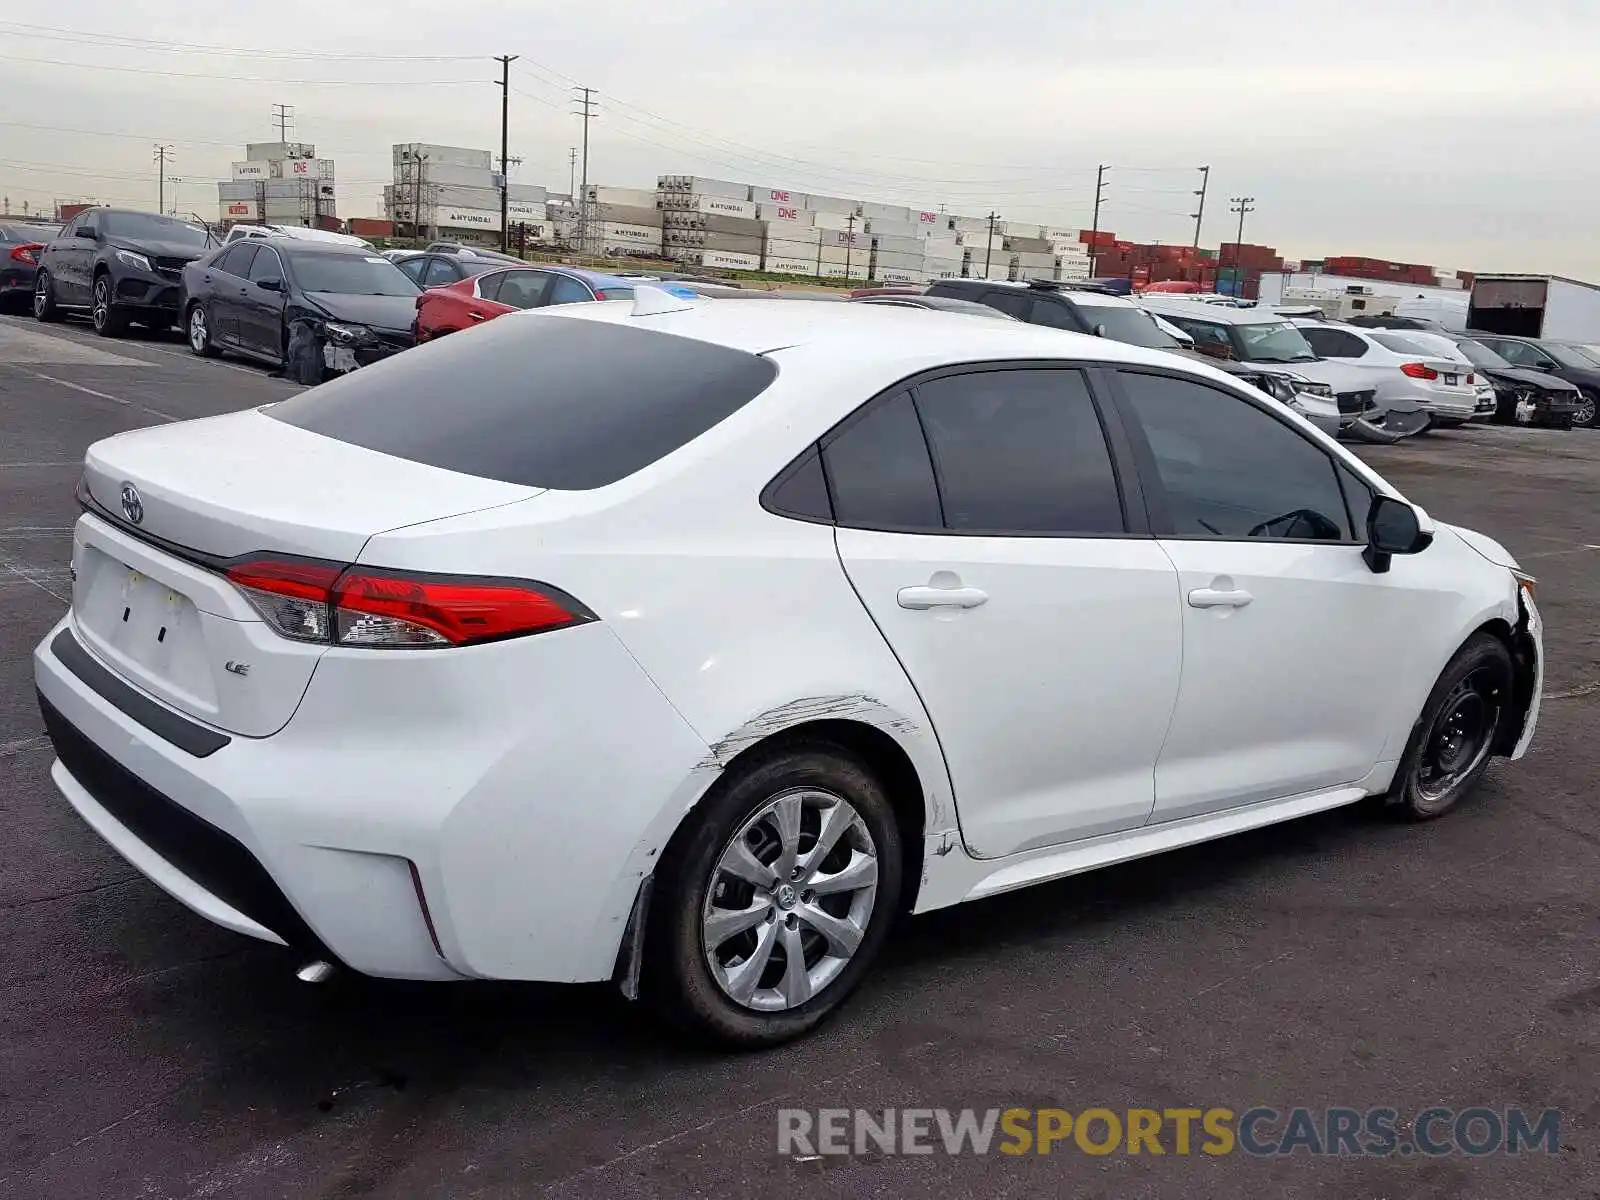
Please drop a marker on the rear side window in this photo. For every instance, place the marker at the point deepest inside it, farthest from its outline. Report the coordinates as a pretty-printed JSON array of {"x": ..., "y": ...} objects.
[
  {"x": 1020, "y": 452},
  {"x": 1012, "y": 303},
  {"x": 1054, "y": 314},
  {"x": 566, "y": 290},
  {"x": 1336, "y": 343},
  {"x": 878, "y": 470},
  {"x": 537, "y": 401}
]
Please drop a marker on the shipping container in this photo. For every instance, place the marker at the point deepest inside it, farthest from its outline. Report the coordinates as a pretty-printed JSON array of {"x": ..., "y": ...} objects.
[
  {"x": 777, "y": 213},
  {"x": 446, "y": 217},
  {"x": 1541, "y": 306},
  {"x": 837, "y": 205},
  {"x": 722, "y": 205},
  {"x": 889, "y": 212},
  {"x": 1028, "y": 245},
  {"x": 696, "y": 185},
  {"x": 899, "y": 275},
  {"x": 900, "y": 245},
  {"x": 449, "y": 156},
  {"x": 444, "y": 173},
  {"x": 856, "y": 269},
  {"x": 237, "y": 191},
  {"x": 784, "y": 196},
  {"x": 627, "y": 197},
  {"x": 904, "y": 262},
  {"x": 792, "y": 249},
  {"x": 634, "y": 236},
  {"x": 790, "y": 266},
  {"x": 370, "y": 227},
  {"x": 712, "y": 223},
  {"x": 730, "y": 261},
  {"x": 233, "y": 211},
  {"x": 434, "y": 194},
  {"x": 268, "y": 151},
  {"x": 839, "y": 237},
  {"x": 894, "y": 229},
  {"x": 625, "y": 214},
  {"x": 733, "y": 243},
  {"x": 279, "y": 189},
  {"x": 252, "y": 170},
  {"x": 518, "y": 210},
  {"x": 838, "y": 221}
]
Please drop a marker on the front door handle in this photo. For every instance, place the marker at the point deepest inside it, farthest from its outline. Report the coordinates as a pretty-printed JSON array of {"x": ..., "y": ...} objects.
[
  {"x": 1214, "y": 598},
  {"x": 476, "y": 316},
  {"x": 940, "y": 597}
]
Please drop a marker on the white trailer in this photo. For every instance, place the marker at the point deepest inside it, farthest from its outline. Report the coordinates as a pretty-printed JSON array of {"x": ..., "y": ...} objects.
[{"x": 1541, "y": 306}]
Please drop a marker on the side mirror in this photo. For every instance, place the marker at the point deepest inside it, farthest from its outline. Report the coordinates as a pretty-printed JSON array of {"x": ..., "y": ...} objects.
[
  {"x": 1392, "y": 528},
  {"x": 1100, "y": 330},
  {"x": 1544, "y": 364},
  {"x": 270, "y": 285}
]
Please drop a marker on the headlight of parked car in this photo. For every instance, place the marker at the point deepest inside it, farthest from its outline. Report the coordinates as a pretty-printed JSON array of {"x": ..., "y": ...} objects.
[
  {"x": 133, "y": 259},
  {"x": 1314, "y": 387},
  {"x": 1279, "y": 387},
  {"x": 346, "y": 335}
]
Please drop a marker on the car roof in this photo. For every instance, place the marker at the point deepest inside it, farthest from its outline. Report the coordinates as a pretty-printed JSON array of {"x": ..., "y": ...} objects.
[
  {"x": 301, "y": 248},
  {"x": 953, "y": 304},
  {"x": 872, "y": 334},
  {"x": 1179, "y": 305},
  {"x": 596, "y": 278},
  {"x": 1078, "y": 293}
]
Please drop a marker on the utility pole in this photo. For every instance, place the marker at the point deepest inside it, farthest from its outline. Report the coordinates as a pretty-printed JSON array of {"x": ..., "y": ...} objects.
[
  {"x": 586, "y": 110},
  {"x": 416, "y": 208},
  {"x": 1240, "y": 205},
  {"x": 988, "y": 250},
  {"x": 1200, "y": 212},
  {"x": 505, "y": 61},
  {"x": 572, "y": 171},
  {"x": 160, "y": 157},
  {"x": 849, "y": 242},
  {"x": 283, "y": 118},
  {"x": 1094, "y": 232}
]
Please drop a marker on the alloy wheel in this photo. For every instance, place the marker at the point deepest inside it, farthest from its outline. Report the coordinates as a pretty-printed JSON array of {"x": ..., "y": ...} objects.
[
  {"x": 102, "y": 302},
  {"x": 789, "y": 900},
  {"x": 1462, "y": 734},
  {"x": 1585, "y": 413},
  {"x": 41, "y": 295},
  {"x": 199, "y": 335}
]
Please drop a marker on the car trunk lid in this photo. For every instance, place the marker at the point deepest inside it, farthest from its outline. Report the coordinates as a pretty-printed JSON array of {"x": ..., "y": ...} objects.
[{"x": 168, "y": 507}]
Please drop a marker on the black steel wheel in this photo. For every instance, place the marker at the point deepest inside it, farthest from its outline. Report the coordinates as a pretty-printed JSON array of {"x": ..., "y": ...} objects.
[{"x": 1455, "y": 737}]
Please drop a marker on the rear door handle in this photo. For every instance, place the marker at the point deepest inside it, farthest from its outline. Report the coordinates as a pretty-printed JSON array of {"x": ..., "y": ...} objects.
[
  {"x": 476, "y": 316},
  {"x": 941, "y": 597},
  {"x": 1212, "y": 598}
]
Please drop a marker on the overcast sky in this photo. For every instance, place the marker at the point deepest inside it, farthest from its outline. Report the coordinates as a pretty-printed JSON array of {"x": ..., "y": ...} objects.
[{"x": 1459, "y": 133}]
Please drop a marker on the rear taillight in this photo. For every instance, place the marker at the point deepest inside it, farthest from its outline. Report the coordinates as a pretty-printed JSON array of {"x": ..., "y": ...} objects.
[
  {"x": 1419, "y": 371},
  {"x": 600, "y": 294},
  {"x": 1472, "y": 378},
  {"x": 28, "y": 253},
  {"x": 314, "y": 601}
]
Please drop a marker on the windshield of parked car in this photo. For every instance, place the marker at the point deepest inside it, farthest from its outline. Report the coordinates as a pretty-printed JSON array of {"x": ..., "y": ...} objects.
[
  {"x": 1571, "y": 356},
  {"x": 1131, "y": 325},
  {"x": 147, "y": 227},
  {"x": 1480, "y": 355},
  {"x": 1274, "y": 342},
  {"x": 351, "y": 275},
  {"x": 29, "y": 233}
]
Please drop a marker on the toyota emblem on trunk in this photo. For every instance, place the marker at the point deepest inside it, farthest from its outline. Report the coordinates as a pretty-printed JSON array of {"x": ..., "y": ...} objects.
[{"x": 132, "y": 506}]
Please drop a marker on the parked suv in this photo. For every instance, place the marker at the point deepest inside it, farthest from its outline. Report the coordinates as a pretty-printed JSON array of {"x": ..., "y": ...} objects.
[
  {"x": 120, "y": 267},
  {"x": 1093, "y": 310}
]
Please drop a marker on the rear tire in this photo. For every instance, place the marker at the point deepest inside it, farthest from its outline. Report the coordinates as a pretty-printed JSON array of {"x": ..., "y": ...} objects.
[
  {"x": 44, "y": 298},
  {"x": 707, "y": 922},
  {"x": 198, "y": 327},
  {"x": 1454, "y": 738}
]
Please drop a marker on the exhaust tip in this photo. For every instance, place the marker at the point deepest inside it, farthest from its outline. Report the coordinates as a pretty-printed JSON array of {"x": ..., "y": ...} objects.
[{"x": 315, "y": 972}]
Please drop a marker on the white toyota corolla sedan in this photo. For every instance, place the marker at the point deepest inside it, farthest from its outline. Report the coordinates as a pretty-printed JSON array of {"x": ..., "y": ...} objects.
[{"x": 688, "y": 643}]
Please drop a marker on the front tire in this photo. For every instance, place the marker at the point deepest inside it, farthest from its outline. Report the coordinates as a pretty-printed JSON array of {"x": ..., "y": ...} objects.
[
  {"x": 1453, "y": 740},
  {"x": 774, "y": 900},
  {"x": 44, "y": 299},
  {"x": 198, "y": 327},
  {"x": 103, "y": 314}
]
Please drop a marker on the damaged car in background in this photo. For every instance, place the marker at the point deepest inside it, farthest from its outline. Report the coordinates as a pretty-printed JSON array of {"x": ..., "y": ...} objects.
[{"x": 314, "y": 309}]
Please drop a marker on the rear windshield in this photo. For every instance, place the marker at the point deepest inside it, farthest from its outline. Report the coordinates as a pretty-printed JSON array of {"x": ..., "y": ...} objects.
[{"x": 537, "y": 400}]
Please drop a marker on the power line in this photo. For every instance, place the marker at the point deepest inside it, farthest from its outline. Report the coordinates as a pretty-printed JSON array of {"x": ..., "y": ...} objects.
[
  {"x": 50, "y": 62},
  {"x": 52, "y": 33}
]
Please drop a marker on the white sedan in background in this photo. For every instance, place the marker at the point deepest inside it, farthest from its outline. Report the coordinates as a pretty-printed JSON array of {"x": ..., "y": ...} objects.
[
  {"x": 1399, "y": 369},
  {"x": 692, "y": 641}
]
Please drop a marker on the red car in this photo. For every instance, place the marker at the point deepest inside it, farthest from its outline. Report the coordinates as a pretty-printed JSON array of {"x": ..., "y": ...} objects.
[{"x": 480, "y": 298}]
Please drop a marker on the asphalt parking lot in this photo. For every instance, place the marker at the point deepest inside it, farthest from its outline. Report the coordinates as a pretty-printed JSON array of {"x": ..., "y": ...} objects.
[{"x": 1338, "y": 960}]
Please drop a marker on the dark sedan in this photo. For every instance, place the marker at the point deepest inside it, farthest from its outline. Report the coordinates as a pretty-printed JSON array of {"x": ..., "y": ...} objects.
[
  {"x": 1559, "y": 359},
  {"x": 1523, "y": 395},
  {"x": 313, "y": 309},
  {"x": 119, "y": 265},
  {"x": 21, "y": 243}
]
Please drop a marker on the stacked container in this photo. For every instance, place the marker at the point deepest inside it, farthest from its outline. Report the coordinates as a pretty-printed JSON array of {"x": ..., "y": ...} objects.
[{"x": 281, "y": 182}]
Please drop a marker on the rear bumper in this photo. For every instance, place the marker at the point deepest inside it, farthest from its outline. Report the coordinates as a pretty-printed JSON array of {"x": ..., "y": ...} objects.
[
  {"x": 484, "y": 790},
  {"x": 17, "y": 280}
]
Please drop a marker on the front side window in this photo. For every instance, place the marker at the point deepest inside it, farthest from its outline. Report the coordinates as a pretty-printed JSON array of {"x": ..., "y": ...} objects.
[
  {"x": 1230, "y": 470},
  {"x": 1519, "y": 353},
  {"x": 519, "y": 289},
  {"x": 236, "y": 262},
  {"x": 1125, "y": 323},
  {"x": 414, "y": 267},
  {"x": 267, "y": 267},
  {"x": 440, "y": 272},
  {"x": 1012, "y": 303},
  {"x": 1019, "y": 452}
]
